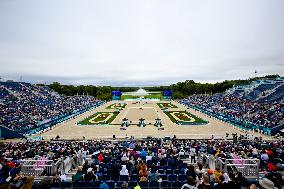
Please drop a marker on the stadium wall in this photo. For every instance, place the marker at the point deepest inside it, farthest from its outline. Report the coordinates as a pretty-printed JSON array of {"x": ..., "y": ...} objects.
[{"x": 8, "y": 133}]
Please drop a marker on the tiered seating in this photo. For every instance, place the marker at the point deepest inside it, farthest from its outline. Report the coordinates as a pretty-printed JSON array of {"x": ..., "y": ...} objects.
[
  {"x": 24, "y": 106},
  {"x": 247, "y": 112},
  {"x": 260, "y": 90},
  {"x": 3, "y": 92},
  {"x": 277, "y": 95},
  {"x": 172, "y": 171},
  {"x": 14, "y": 86}
]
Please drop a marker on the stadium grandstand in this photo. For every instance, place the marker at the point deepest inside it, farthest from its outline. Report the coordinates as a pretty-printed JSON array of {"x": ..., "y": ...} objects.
[
  {"x": 30, "y": 108},
  {"x": 127, "y": 94},
  {"x": 237, "y": 161},
  {"x": 258, "y": 106}
]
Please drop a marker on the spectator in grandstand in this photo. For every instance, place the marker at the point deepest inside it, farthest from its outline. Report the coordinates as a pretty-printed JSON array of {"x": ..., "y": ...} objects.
[
  {"x": 199, "y": 170},
  {"x": 243, "y": 112},
  {"x": 124, "y": 185},
  {"x": 192, "y": 154},
  {"x": 153, "y": 175},
  {"x": 190, "y": 184},
  {"x": 218, "y": 174},
  {"x": 45, "y": 183},
  {"x": 79, "y": 175},
  {"x": 267, "y": 184},
  {"x": 191, "y": 172},
  {"x": 90, "y": 176},
  {"x": 135, "y": 166},
  {"x": 205, "y": 184},
  {"x": 104, "y": 186},
  {"x": 124, "y": 171},
  {"x": 143, "y": 173},
  {"x": 27, "y": 107}
]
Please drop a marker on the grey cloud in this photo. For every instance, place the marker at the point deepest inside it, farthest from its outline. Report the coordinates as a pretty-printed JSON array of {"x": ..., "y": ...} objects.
[{"x": 140, "y": 42}]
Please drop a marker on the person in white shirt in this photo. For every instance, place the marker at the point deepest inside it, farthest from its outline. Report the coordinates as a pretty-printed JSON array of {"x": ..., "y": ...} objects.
[
  {"x": 124, "y": 171},
  {"x": 192, "y": 154}
]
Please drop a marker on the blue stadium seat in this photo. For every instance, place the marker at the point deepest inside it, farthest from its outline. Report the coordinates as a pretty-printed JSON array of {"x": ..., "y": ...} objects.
[
  {"x": 163, "y": 176},
  {"x": 172, "y": 177},
  {"x": 176, "y": 184},
  {"x": 161, "y": 171},
  {"x": 165, "y": 184},
  {"x": 110, "y": 183},
  {"x": 182, "y": 177},
  {"x": 143, "y": 185},
  {"x": 80, "y": 184},
  {"x": 96, "y": 184},
  {"x": 119, "y": 183},
  {"x": 114, "y": 177},
  {"x": 123, "y": 178},
  {"x": 88, "y": 184},
  {"x": 169, "y": 171},
  {"x": 132, "y": 184},
  {"x": 177, "y": 172},
  {"x": 55, "y": 185},
  {"x": 134, "y": 177},
  {"x": 66, "y": 185},
  {"x": 105, "y": 177},
  {"x": 154, "y": 185}
]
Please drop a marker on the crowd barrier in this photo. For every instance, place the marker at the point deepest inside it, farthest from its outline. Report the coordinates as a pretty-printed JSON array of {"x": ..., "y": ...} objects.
[
  {"x": 44, "y": 167},
  {"x": 38, "y": 167},
  {"x": 248, "y": 167}
]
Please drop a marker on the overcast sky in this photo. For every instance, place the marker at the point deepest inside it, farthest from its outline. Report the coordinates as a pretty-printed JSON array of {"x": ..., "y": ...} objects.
[{"x": 145, "y": 42}]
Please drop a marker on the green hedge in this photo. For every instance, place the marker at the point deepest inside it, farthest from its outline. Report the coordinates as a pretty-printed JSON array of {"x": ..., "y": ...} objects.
[
  {"x": 196, "y": 122},
  {"x": 161, "y": 105},
  {"x": 87, "y": 121}
]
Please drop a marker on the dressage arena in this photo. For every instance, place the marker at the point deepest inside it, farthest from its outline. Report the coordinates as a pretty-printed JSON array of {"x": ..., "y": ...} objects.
[{"x": 105, "y": 121}]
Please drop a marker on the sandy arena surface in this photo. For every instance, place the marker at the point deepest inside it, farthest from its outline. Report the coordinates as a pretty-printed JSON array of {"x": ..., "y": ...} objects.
[{"x": 150, "y": 111}]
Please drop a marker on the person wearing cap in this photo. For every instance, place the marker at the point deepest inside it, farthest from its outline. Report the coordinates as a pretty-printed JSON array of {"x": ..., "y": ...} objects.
[
  {"x": 90, "y": 176},
  {"x": 79, "y": 175}
]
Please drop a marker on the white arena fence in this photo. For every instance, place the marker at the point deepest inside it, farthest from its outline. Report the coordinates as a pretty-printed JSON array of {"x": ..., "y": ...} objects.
[
  {"x": 41, "y": 167},
  {"x": 248, "y": 167},
  {"x": 38, "y": 167},
  {"x": 178, "y": 136}
]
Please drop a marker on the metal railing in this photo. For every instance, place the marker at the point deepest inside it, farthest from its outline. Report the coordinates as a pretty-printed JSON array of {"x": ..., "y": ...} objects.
[
  {"x": 248, "y": 167},
  {"x": 44, "y": 167},
  {"x": 38, "y": 168}
]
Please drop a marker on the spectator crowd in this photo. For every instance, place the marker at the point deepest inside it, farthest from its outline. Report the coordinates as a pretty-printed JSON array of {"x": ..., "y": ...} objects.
[
  {"x": 239, "y": 110},
  {"x": 23, "y": 107},
  {"x": 152, "y": 162}
]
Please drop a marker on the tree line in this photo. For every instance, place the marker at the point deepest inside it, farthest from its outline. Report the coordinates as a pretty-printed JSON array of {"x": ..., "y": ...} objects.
[
  {"x": 100, "y": 92},
  {"x": 180, "y": 89}
]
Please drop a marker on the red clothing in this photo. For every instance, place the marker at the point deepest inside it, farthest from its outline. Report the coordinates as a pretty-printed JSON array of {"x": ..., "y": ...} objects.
[{"x": 101, "y": 158}]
